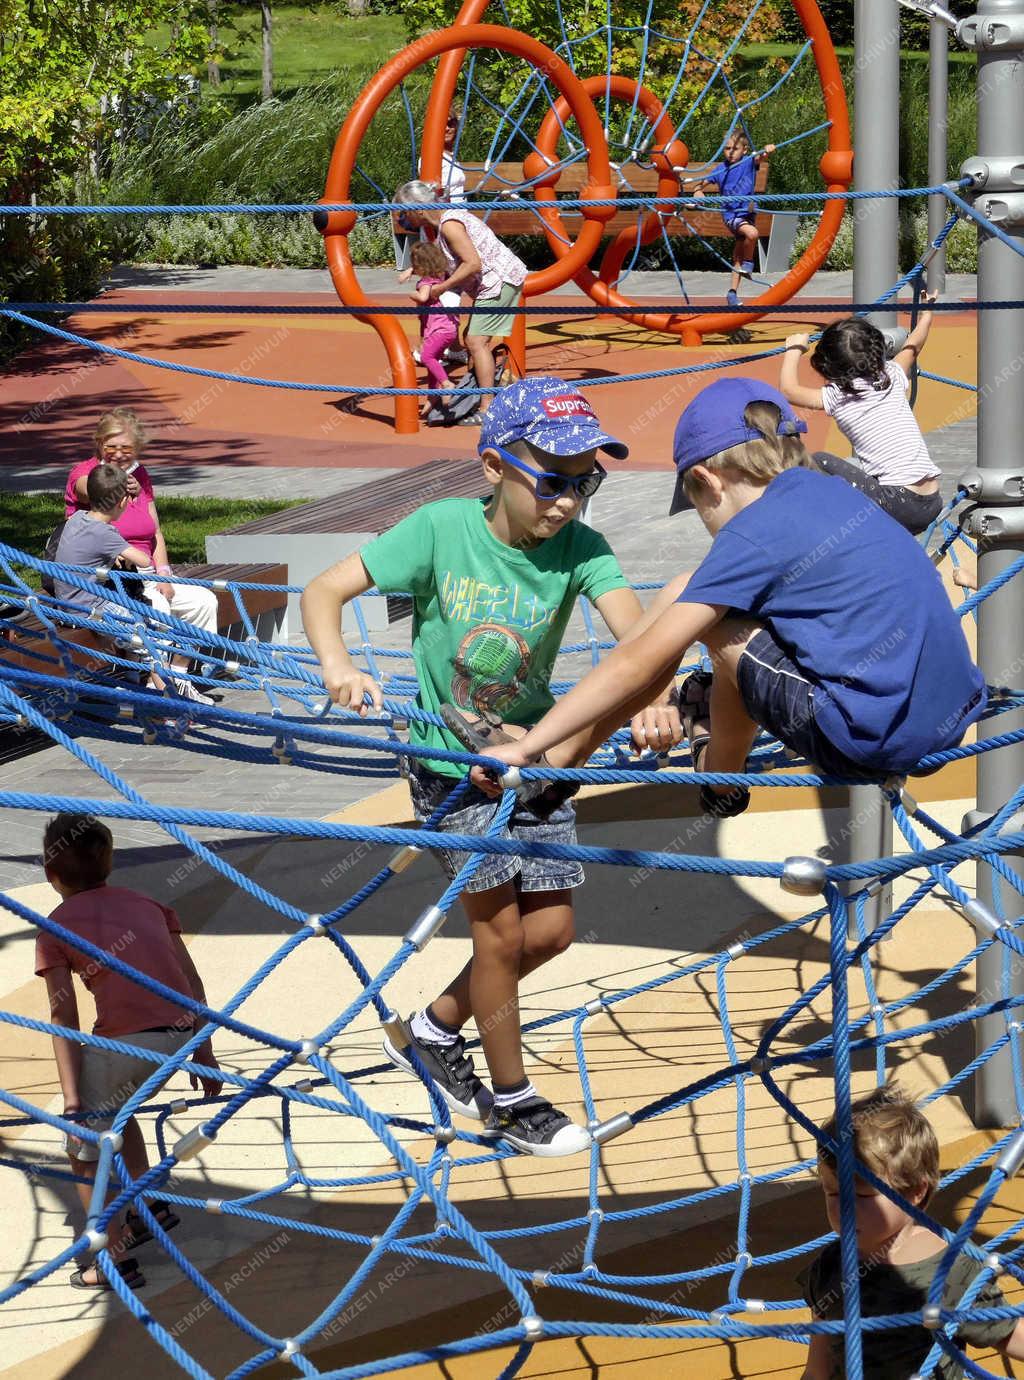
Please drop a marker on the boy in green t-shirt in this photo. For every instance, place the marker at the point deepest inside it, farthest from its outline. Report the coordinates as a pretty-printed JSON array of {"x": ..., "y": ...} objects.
[{"x": 494, "y": 584}]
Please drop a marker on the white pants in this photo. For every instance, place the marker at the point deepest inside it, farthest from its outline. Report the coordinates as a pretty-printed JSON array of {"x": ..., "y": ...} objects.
[{"x": 191, "y": 603}]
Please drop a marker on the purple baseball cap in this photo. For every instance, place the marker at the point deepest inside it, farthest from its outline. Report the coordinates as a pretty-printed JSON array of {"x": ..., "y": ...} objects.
[
  {"x": 713, "y": 422},
  {"x": 551, "y": 415}
]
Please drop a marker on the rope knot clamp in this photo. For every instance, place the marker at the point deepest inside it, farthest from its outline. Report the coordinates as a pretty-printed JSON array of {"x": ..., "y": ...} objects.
[
  {"x": 397, "y": 1030},
  {"x": 754, "y": 1306},
  {"x": 303, "y": 1085},
  {"x": 1013, "y": 1156},
  {"x": 745, "y": 1259},
  {"x": 931, "y": 1317},
  {"x": 614, "y": 1127},
  {"x": 317, "y": 924},
  {"x": 422, "y": 932},
  {"x": 404, "y": 858},
  {"x": 593, "y": 1006},
  {"x": 444, "y": 1135},
  {"x": 994, "y": 1262},
  {"x": 178, "y": 1106},
  {"x": 289, "y": 1349},
  {"x": 540, "y": 1278},
  {"x": 980, "y": 915},
  {"x": 736, "y": 950},
  {"x": 214, "y": 1205},
  {"x": 192, "y": 1142},
  {"x": 96, "y": 1240},
  {"x": 758, "y": 1065},
  {"x": 596, "y": 1214},
  {"x": 306, "y": 1051},
  {"x": 533, "y": 1328},
  {"x": 112, "y": 1138},
  {"x": 802, "y": 876}
]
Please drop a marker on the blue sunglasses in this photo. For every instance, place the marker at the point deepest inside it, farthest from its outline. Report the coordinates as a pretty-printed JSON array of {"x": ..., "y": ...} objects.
[{"x": 549, "y": 485}]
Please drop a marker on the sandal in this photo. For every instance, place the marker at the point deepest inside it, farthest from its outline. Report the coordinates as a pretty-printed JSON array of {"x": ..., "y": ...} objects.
[
  {"x": 695, "y": 716},
  {"x": 138, "y": 1234},
  {"x": 543, "y": 797},
  {"x": 128, "y": 1269}
]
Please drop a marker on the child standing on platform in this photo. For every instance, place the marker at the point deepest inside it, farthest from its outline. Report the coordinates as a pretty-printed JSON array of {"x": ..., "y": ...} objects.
[
  {"x": 439, "y": 329},
  {"x": 494, "y": 583},
  {"x": 867, "y": 397},
  {"x": 78, "y": 856}
]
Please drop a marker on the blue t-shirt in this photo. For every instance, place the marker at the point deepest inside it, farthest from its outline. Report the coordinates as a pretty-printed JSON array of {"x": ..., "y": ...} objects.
[
  {"x": 736, "y": 181},
  {"x": 854, "y": 601}
]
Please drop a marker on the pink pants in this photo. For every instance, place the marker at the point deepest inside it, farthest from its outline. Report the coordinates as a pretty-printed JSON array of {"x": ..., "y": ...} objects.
[{"x": 438, "y": 333}]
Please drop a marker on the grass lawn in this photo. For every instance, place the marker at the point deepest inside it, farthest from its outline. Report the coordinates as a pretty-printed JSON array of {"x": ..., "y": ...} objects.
[
  {"x": 26, "y": 521},
  {"x": 310, "y": 43}
]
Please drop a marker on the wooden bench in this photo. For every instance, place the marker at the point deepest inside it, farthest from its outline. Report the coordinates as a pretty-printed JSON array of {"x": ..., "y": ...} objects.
[{"x": 315, "y": 535}]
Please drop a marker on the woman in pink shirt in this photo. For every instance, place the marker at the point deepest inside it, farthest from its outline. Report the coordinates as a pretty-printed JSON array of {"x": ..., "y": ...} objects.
[
  {"x": 478, "y": 265},
  {"x": 119, "y": 438}
]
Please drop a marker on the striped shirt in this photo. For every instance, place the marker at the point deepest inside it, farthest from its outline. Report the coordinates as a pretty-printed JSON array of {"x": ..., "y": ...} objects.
[
  {"x": 497, "y": 262},
  {"x": 882, "y": 429}
]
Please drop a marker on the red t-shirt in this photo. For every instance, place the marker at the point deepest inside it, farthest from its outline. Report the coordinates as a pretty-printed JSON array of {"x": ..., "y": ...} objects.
[
  {"x": 135, "y": 929},
  {"x": 136, "y": 523}
]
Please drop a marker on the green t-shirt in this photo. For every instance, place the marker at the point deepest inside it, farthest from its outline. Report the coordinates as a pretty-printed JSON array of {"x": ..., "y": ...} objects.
[
  {"x": 488, "y": 619},
  {"x": 897, "y": 1354}
]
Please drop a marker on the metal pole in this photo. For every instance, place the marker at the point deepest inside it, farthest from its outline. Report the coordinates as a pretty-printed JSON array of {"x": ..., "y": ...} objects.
[
  {"x": 999, "y": 169},
  {"x": 876, "y": 109},
  {"x": 938, "y": 155}
]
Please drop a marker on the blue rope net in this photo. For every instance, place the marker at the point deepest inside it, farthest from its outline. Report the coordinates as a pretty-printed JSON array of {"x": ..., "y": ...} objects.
[{"x": 407, "y": 1202}]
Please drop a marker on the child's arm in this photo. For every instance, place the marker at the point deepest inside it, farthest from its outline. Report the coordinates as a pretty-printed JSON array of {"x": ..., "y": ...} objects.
[
  {"x": 658, "y": 725},
  {"x": 818, "y": 1365},
  {"x": 1013, "y": 1346},
  {"x": 67, "y": 1053},
  {"x": 789, "y": 376},
  {"x": 916, "y": 339},
  {"x": 405, "y": 274},
  {"x": 421, "y": 294},
  {"x": 641, "y": 664},
  {"x": 204, "y": 1054},
  {"x": 764, "y": 155},
  {"x": 131, "y": 555},
  {"x": 321, "y": 605}
]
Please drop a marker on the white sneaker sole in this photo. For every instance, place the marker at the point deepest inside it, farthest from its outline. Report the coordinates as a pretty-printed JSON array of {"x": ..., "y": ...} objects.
[
  {"x": 469, "y": 1110},
  {"x": 570, "y": 1140}
]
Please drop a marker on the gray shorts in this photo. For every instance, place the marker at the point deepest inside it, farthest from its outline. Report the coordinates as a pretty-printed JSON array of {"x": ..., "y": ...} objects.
[
  {"x": 428, "y": 790},
  {"x": 108, "y": 1080}
]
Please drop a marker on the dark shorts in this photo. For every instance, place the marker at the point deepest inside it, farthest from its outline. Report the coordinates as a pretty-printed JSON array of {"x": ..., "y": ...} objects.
[
  {"x": 733, "y": 223},
  {"x": 912, "y": 510},
  {"x": 777, "y": 696},
  {"x": 476, "y": 811}
]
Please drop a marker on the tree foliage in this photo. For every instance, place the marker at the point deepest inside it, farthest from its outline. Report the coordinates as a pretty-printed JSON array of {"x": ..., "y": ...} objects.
[{"x": 70, "y": 70}]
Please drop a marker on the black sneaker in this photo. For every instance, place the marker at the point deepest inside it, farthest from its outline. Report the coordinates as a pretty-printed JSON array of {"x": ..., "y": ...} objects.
[
  {"x": 536, "y": 1128},
  {"x": 451, "y": 1069}
]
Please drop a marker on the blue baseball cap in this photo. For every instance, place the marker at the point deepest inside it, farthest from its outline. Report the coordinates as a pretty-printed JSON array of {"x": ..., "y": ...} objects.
[
  {"x": 551, "y": 415},
  {"x": 713, "y": 422}
]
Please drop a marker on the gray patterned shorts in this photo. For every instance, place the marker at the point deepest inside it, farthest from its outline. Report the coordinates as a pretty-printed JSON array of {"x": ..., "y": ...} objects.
[{"x": 428, "y": 790}]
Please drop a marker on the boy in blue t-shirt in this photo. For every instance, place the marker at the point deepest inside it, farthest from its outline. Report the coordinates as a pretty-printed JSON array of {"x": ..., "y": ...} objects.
[
  {"x": 734, "y": 178},
  {"x": 494, "y": 583},
  {"x": 826, "y": 622}
]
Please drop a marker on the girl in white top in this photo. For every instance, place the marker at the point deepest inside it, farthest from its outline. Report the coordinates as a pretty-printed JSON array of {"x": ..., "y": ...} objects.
[{"x": 867, "y": 397}]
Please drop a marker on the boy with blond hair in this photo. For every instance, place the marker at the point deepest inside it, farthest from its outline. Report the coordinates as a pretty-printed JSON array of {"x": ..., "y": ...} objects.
[{"x": 898, "y": 1256}]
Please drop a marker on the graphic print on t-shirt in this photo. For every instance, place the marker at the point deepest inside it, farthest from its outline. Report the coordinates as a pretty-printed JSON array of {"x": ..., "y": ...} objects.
[{"x": 491, "y": 666}]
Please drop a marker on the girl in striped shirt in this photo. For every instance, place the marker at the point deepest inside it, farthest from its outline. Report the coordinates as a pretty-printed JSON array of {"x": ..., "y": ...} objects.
[{"x": 867, "y": 397}]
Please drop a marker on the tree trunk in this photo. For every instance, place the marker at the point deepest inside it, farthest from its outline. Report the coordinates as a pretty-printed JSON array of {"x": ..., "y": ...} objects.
[
  {"x": 356, "y": 7},
  {"x": 212, "y": 65},
  {"x": 268, "y": 51}
]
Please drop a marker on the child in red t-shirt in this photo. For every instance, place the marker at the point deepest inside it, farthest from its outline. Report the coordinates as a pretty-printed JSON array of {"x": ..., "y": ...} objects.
[{"x": 78, "y": 857}]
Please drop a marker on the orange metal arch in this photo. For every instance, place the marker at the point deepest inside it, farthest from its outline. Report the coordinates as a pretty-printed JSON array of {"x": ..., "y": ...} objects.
[
  {"x": 836, "y": 169},
  {"x": 337, "y": 225}
]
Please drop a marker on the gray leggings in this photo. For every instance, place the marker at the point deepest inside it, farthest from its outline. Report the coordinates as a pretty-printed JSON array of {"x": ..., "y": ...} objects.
[{"x": 911, "y": 510}]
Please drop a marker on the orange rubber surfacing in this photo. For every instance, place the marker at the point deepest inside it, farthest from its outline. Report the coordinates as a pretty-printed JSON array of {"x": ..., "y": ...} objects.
[{"x": 53, "y": 394}]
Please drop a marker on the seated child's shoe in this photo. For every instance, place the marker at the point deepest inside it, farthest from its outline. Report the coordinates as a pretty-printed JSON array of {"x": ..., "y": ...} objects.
[
  {"x": 187, "y": 691},
  {"x": 732, "y": 299},
  {"x": 695, "y": 715},
  {"x": 451, "y": 1070},
  {"x": 543, "y": 797},
  {"x": 534, "y": 1127}
]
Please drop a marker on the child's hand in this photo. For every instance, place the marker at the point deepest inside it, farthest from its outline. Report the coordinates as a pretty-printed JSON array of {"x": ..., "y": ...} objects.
[
  {"x": 348, "y": 690},
  {"x": 211, "y": 1086},
  {"x": 768, "y": 150},
  {"x": 798, "y": 342},
  {"x": 657, "y": 727},
  {"x": 509, "y": 753}
]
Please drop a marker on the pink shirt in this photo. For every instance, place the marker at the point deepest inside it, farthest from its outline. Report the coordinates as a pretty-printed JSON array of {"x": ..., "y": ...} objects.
[
  {"x": 498, "y": 265},
  {"x": 136, "y": 523},
  {"x": 135, "y": 929}
]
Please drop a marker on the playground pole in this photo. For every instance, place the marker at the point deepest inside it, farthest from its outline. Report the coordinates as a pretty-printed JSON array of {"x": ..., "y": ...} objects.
[
  {"x": 876, "y": 142},
  {"x": 938, "y": 155},
  {"x": 997, "y": 32}
]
